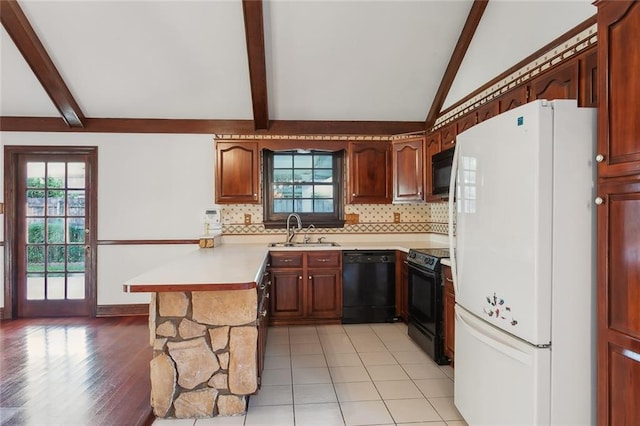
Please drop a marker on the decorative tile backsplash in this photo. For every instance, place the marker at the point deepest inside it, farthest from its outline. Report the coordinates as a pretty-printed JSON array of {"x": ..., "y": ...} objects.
[{"x": 372, "y": 218}]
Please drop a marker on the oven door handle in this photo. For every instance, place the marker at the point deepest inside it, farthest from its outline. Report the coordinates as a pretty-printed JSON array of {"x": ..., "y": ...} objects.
[{"x": 452, "y": 207}]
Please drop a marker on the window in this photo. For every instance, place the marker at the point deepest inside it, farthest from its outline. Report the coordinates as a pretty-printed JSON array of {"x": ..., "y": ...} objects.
[{"x": 306, "y": 183}]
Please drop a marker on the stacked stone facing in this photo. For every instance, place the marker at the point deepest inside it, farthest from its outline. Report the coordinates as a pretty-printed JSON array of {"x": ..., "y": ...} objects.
[{"x": 205, "y": 345}]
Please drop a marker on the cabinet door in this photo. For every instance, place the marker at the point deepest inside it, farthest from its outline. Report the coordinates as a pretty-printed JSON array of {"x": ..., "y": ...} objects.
[
  {"x": 514, "y": 98},
  {"x": 286, "y": 294},
  {"x": 589, "y": 80},
  {"x": 408, "y": 170},
  {"x": 237, "y": 172},
  {"x": 619, "y": 303},
  {"x": 370, "y": 173},
  {"x": 561, "y": 83},
  {"x": 488, "y": 110},
  {"x": 324, "y": 293},
  {"x": 432, "y": 148},
  {"x": 619, "y": 109},
  {"x": 449, "y": 313},
  {"x": 448, "y": 136},
  {"x": 402, "y": 286}
]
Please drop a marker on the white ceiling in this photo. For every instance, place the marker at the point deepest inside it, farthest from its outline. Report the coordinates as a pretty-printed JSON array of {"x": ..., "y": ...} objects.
[{"x": 326, "y": 60}]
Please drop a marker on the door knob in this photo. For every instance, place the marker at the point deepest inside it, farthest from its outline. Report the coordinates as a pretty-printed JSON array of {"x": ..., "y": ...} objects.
[
  {"x": 599, "y": 201},
  {"x": 599, "y": 158}
]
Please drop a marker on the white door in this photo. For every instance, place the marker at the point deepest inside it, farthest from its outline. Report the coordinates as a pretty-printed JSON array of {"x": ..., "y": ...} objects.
[
  {"x": 503, "y": 224},
  {"x": 499, "y": 380}
]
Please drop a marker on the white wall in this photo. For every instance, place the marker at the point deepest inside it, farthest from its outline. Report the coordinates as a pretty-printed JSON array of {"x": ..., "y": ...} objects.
[{"x": 150, "y": 187}]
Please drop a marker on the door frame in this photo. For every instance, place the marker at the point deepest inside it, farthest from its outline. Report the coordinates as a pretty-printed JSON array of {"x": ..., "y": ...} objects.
[{"x": 11, "y": 154}]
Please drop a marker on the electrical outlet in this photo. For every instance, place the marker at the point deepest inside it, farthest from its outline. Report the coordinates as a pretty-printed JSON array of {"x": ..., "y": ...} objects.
[
  {"x": 396, "y": 217},
  {"x": 352, "y": 218},
  {"x": 247, "y": 219}
]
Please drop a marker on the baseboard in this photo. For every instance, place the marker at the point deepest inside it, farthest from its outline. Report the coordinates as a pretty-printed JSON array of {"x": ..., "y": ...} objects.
[{"x": 122, "y": 310}]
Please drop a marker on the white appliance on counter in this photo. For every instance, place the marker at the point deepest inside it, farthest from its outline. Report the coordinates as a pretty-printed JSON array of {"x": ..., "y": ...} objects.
[{"x": 523, "y": 267}]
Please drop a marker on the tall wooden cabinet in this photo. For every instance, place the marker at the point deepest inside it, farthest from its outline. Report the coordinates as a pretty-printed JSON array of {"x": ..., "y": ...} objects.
[{"x": 618, "y": 157}]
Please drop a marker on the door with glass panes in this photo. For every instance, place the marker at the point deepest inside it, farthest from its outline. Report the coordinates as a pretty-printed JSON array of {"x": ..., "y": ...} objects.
[{"x": 54, "y": 241}]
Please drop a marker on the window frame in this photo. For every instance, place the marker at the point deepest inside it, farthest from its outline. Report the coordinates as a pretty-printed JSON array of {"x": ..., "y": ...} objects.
[{"x": 272, "y": 220}]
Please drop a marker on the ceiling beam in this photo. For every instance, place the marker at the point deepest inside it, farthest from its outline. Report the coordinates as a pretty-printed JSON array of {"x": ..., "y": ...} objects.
[
  {"x": 254, "y": 32},
  {"x": 27, "y": 41},
  {"x": 237, "y": 127},
  {"x": 473, "y": 19}
]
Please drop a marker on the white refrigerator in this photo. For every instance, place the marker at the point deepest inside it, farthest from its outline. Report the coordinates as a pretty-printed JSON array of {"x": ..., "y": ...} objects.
[{"x": 524, "y": 267}]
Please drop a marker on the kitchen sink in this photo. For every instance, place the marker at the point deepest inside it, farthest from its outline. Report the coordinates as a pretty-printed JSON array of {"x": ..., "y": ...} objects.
[{"x": 322, "y": 244}]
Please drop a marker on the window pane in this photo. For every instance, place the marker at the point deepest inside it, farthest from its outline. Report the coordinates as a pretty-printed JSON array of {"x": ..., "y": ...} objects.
[
  {"x": 75, "y": 261},
  {"x": 55, "y": 175},
  {"x": 35, "y": 175},
  {"x": 76, "y": 203},
  {"x": 35, "y": 231},
  {"x": 302, "y": 175},
  {"x": 55, "y": 258},
  {"x": 282, "y": 191},
  {"x": 323, "y": 161},
  {"x": 35, "y": 202},
  {"x": 75, "y": 179},
  {"x": 323, "y": 206},
  {"x": 304, "y": 191},
  {"x": 55, "y": 203},
  {"x": 302, "y": 161},
  {"x": 75, "y": 286},
  {"x": 304, "y": 206},
  {"x": 35, "y": 259},
  {"x": 282, "y": 206},
  {"x": 323, "y": 176},
  {"x": 76, "y": 230},
  {"x": 55, "y": 231},
  {"x": 323, "y": 191},
  {"x": 55, "y": 286},
  {"x": 283, "y": 175},
  {"x": 35, "y": 287},
  {"x": 283, "y": 161}
]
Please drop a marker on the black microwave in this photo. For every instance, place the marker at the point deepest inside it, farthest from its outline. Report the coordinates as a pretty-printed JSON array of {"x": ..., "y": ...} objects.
[{"x": 441, "y": 172}]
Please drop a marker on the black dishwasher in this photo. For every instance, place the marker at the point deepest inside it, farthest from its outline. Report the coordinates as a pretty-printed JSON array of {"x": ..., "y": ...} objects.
[{"x": 368, "y": 286}]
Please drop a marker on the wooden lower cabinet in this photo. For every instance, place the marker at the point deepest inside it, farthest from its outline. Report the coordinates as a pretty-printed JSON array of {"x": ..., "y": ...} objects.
[
  {"x": 449, "y": 313},
  {"x": 264, "y": 295},
  {"x": 402, "y": 286},
  {"x": 306, "y": 287}
]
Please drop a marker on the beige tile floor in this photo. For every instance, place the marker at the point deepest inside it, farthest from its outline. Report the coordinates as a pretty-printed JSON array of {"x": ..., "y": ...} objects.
[{"x": 361, "y": 374}]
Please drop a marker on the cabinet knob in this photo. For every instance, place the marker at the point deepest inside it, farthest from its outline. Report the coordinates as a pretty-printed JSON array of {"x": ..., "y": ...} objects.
[
  {"x": 310, "y": 277},
  {"x": 300, "y": 277},
  {"x": 263, "y": 313},
  {"x": 599, "y": 201},
  {"x": 353, "y": 195},
  {"x": 599, "y": 158}
]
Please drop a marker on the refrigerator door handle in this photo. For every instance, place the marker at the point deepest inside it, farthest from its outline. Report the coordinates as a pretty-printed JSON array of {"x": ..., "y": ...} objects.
[
  {"x": 500, "y": 345},
  {"x": 452, "y": 206}
]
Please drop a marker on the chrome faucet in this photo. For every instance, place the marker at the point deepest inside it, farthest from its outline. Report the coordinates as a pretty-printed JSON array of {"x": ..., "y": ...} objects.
[
  {"x": 307, "y": 239},
  {"x": 292, "y": 232}
]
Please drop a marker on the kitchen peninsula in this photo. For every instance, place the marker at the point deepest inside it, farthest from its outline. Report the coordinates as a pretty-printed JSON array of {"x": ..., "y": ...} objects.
[{"x": 207, "y": 321}]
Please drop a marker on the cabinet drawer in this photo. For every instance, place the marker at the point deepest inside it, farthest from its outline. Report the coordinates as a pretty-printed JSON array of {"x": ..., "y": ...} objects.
[
  {"x": 323, "y": 259},
  {"x": 286, "y": 260}
]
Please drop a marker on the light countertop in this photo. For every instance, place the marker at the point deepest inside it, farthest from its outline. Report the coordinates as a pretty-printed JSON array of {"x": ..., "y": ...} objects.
[{"x": 236, "y": 266}]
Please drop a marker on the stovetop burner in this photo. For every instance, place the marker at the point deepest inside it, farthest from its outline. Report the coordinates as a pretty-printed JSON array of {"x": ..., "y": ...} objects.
[{"x": 427, "y": 257}]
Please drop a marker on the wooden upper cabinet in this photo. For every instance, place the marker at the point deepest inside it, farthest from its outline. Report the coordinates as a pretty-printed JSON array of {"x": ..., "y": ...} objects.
[
  {"x": 488, "y": 110},
  {"x": 561, "y": 83},
  {"x": 466, "y": 122},
  {"x": 448, "y": 136},
  {"x": 513, "y": 98},
  {"x": 619, "y": 114},
  {"x": 237, "y": 173},
  {"x": 370, "y": 174},
  {"x": 589, "y": 80},
  {"x": 408, "y": 170},
  {"x": 432, "y": 147}
]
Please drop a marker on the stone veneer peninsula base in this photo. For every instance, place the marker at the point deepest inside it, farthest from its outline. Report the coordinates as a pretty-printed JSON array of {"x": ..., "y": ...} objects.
[{"x": 204, "y": 359}]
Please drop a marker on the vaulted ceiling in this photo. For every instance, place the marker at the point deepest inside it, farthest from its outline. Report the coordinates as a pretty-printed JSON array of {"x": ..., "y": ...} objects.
[{"x": 214, "y": 66}]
